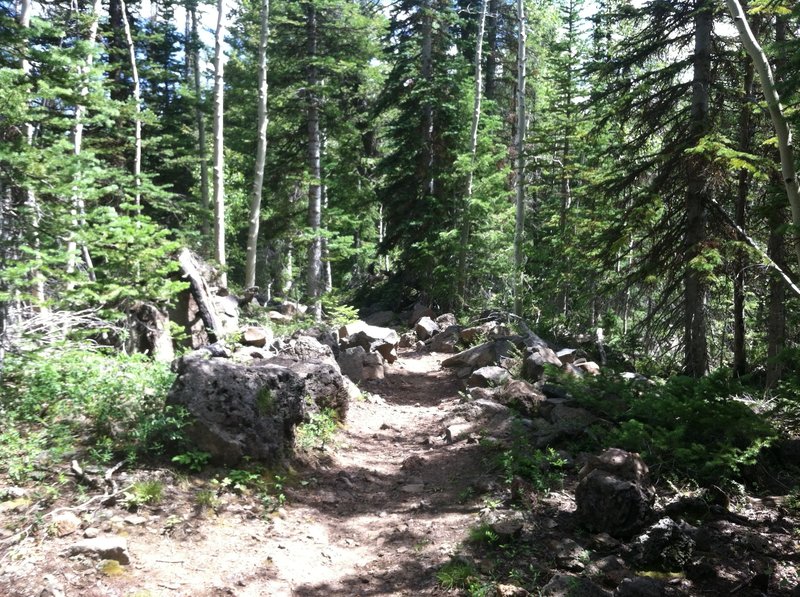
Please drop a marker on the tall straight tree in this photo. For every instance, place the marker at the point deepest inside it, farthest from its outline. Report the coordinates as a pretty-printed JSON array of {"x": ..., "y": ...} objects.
[
  {"x": 697, "y": 198},
  {"x": 137, "y": 98},
  {"x": 219, "y": 159},
  {"x": 78, "y": 202},
  {"x": 314, "y": 275},
  {"x": 522, "y": 125},
  {"x": 473, "y": 149},
  {"x": 200, "y": 121},
  {"x": 261, "y": 151}
]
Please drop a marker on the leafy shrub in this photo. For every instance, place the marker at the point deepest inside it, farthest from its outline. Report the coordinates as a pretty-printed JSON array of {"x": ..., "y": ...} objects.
[
  {"x": 686, "y": 428},
  {"x": 318, "y": 431},
  {"x": 542, "y": 468},
  {"x": 76, "y": 398}
]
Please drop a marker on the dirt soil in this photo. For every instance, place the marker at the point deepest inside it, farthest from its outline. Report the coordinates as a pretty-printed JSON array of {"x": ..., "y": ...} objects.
[
  {"x": 379, "y": 512},
  {"x": 377, "y": 515}
]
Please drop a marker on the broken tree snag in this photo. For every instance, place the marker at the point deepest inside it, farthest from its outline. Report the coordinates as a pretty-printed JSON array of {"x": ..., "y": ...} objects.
[{"x": 201, "y": 294}]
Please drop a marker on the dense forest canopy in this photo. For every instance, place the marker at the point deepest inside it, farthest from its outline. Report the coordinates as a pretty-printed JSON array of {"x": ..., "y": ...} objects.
[{"x": 373, "y": 153}]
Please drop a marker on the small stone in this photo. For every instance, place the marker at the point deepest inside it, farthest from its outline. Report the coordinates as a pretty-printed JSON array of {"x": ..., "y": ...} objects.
[
  {"x": 135, "y": 520},
  {"x": 104, "y": 548},
  {"x": 66, "y": 523},
  {"x": 91, "y": 532},
  {"x": 413, "y": 488}
]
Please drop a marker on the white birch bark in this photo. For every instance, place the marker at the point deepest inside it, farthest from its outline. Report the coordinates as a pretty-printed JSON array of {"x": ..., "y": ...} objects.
[
  {"x": 473, "y": 150},
  {"x": 520, "y": 144},
  {"x": 30, "y": 195},
  {"x": 78, "y": 209},
  {"x": 137, "y": 123},
  {"x": 261, "y": 151},
  {"x": 219, "y": 160},
  {"x": 205, "y": 201},
  {"x": 779, "y": 122},
  {"x": 314, "y": 277}
]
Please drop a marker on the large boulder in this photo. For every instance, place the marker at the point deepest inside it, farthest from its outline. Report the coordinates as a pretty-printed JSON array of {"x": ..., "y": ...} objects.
[
  {"x": 371, "y": 338},
  {"x": 491, "y": 376},
  {"x": 534, "y": 363},
  {"x": 239, "y": 410},
  {"x": 667, "y": 546},
  {"x": 479, "y": 356},
  {"x": 613, "y": 495},
  {"x": 426, "y": 328},
  {"x": 522, "y": 397},
  {"x": 418, "y": 311},
  {"x": 315, "y": 365},
  {"x": 447, "y": 340}
]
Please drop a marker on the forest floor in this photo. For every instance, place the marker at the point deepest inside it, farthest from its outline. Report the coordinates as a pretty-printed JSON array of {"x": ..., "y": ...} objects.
[
  {"x": 380, "y": 511},
  {"x": 377, "y": 514}
]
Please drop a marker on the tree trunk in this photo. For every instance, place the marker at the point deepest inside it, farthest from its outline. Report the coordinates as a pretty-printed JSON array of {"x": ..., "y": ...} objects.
[
  {"x": 427, "y": 76},
  {"x": 743, "y": 192},
  {"x": 473, "y": 148},
  {"x": 219, "y": 163},
  {"x": 314, "y": 277},
  {"x": 779, "y": 122},
  {"x": 137, "y": 95},
  {"x": 491, "y": 55},
  {"x": 31, "y": 200},
  {"x": 261, "y": 152},
  {"x": 78, "y": 205},
  {"x": 697, "y": 197},
  {"x": 519, "y": 228},
  {"x": 205, "y": 202}
]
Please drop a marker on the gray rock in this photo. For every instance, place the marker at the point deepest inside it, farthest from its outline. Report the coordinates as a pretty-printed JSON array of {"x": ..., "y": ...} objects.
[
  {"x": 66, "y": 523},
  {"x": 522, "y": 397},
  {"x": 374, "y": 372},
  {"x": 567, "y": 355},
  {"x": 625, "y": 465},
  {"x": 480, "y": 393},
  {"x": 571, "y": 420},
  {"x": 256, "y": 336},
  {"x": 324, "y": 383},
  {"x": 351, "y": 363},
  {"x": 102, "y": 548},
  {"x": 640, "y": 586},
  {"x": 667, "y": 545},
  {"x": 446, "y": 340},
  {"x": 491, "y": 376},
  {"x": 569, "y": 554},
  {"x": 610, "y": 503},
  {"x": 588, "y": 367},
  {"x": 407, "y": 340},
  {"x": 371, "y": 339},
  {"x": 446, "y": 320},
  {"x": 612, "y": 569},
  {"x": 426, "y": 328},
  {"x": 239, "y": 410},
  {"x": 569, "y": 585},
  {"x": 476, "y": 357},
  {"x": 418, "y": 311},
  {"x": 534, "y": 364}
]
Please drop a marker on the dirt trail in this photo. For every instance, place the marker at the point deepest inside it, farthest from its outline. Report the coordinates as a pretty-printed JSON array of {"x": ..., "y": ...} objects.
[{"x": 378, "y": 519}]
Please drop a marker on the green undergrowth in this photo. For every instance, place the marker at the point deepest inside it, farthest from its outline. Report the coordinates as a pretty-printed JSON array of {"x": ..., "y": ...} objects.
[
  {"x": 702, "y": 430},
  {"x": 77, "y": 401},
  {"x": 318, "y": 432}
]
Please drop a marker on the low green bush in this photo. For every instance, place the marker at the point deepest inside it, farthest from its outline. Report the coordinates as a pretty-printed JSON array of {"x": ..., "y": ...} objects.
[
  {"x": 684, "y": 428},
  {"x": 76, "y": 400}
]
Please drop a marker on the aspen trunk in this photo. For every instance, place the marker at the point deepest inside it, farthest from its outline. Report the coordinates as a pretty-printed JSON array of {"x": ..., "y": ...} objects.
[
  {"x": 697, "y": 197},
  {"x": 78, "y": 205},
  {"x": 30, "y": 195},
  {"x": 261, "y": 152},
  {"x": 219, "y": 160},
  {"x": 519, "y": 228},
  {"x": 473, "y": 149},
  {"x": 743, "y": 192},
  {"x": 205, "y": 201},
  {"x": 314, "y": 277},
  {"x": 779, "y": 122},
  {"x": 137, "y": 95}
]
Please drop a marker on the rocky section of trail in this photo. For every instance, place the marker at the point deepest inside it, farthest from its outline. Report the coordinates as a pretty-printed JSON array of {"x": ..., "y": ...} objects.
[{"x": 378, "y": 514}]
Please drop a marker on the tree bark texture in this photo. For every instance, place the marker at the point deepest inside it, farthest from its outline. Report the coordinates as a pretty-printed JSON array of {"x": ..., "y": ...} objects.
[
  {"x": 219, "y": 160},
  {"x": 261, "y": 152},
  {"x": 519, "y": 228},
  {"x": 473, "y": 149},
  {"x": 697, "y": 197},
  {"x": 314, "y": 276},
  {"x": 200, "y": 122},
  {"x": 776, "y": 113}
]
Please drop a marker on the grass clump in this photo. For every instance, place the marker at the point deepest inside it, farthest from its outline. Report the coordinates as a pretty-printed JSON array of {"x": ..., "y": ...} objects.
[
  {"x": 144, "y": 493},
  {"x": 318, "y": 431}
]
